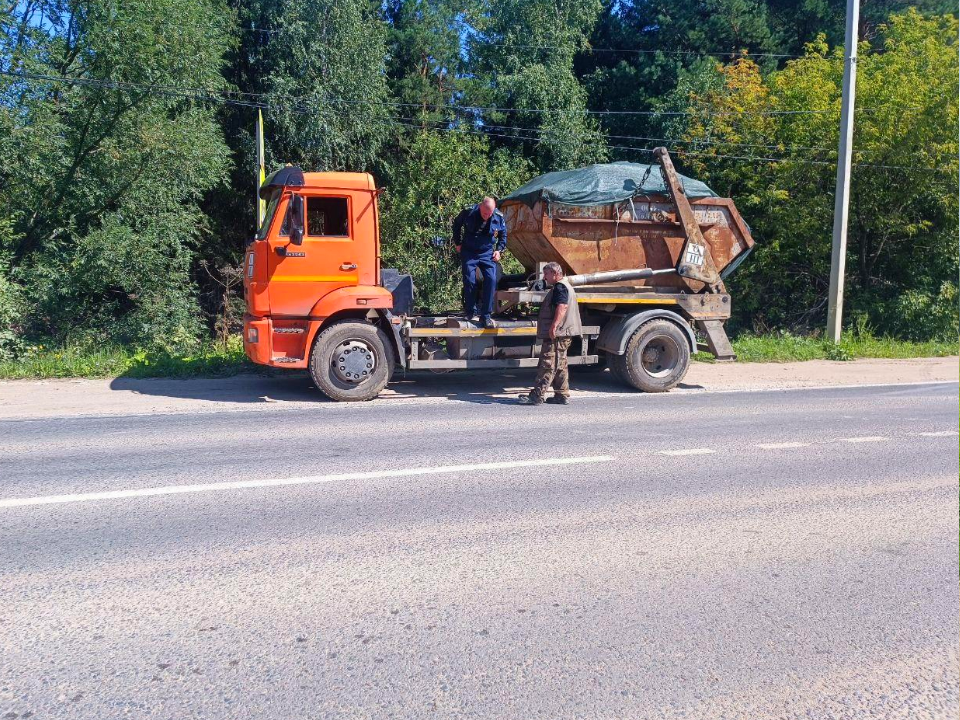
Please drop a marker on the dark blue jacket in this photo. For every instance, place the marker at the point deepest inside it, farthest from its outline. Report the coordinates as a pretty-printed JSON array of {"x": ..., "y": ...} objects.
[{"x": 477, "y": 237}]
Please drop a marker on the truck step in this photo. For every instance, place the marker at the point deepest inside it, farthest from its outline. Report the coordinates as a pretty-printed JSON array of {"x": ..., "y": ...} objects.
[{"x": 285, "y": 359}]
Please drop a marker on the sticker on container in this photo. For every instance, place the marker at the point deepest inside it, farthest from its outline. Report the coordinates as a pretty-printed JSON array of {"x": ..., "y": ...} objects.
[{"x": 694, "y": 255}]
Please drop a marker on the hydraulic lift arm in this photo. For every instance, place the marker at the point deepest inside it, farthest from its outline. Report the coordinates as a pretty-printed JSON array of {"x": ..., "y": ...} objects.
[{"x": 695, "y": 262}]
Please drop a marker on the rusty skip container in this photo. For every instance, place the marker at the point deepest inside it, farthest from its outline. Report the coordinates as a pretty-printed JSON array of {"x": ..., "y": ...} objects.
[{"x": 623, "y": 215}]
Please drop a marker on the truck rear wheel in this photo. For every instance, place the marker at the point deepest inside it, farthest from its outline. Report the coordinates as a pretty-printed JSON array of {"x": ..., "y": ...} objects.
[
  {"x": 656, "y": 358},
  {"x": 351, "y": 361}
]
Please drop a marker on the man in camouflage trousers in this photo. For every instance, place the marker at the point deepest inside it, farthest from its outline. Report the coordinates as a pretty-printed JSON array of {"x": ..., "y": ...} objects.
[{"x": 557, "y": 324}]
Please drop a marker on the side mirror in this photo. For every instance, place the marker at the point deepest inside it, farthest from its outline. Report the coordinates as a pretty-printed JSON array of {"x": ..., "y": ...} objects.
[{"x": 296, "y": 220}]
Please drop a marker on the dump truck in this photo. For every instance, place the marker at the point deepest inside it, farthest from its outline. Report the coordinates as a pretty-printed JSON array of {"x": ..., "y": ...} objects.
[{"x": 646, "y": 248}]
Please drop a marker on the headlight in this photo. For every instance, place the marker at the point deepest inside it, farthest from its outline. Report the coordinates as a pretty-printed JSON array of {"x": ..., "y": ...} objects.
[{"x": 253, "y": 336}]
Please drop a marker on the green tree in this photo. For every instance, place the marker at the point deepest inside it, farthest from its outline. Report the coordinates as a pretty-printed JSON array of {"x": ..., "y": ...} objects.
[
  {"x": 664, "y": 43},
  {"x": 903, "y": 255},
  {"x": 110, "y": 167},
  {"x": 426, "y": 67},
  {"x": 321, "y": 65},
  {"x": 523, "y": 60},
  {"x": 794, "y": 24},
  {"x": 438, "y": 175}
]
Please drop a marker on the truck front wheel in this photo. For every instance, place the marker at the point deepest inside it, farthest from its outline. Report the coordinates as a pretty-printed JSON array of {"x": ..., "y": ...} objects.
[
  {"x": 351, "y": 361},
  {"x": 656, "y": 358}
]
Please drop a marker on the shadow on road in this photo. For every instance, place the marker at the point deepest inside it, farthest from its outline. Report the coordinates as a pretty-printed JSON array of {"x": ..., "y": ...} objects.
[
  {"x": 475, "y": 386},
  {"x": 242, "y": 389}
]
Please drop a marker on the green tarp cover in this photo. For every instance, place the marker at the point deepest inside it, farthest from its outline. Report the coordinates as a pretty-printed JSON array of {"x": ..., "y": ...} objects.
[{"x": 603, "y": 184}]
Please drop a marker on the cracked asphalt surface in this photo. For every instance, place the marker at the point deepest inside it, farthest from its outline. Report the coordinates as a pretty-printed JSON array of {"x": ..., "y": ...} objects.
[{"x": 783, "y": 554}]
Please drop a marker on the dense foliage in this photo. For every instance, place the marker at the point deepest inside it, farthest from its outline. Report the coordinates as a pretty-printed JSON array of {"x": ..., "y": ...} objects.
[
  {"x": 127, "y": 191},
  {"x": 903, "y": 243},
  {"x": 102, "y": 185}
]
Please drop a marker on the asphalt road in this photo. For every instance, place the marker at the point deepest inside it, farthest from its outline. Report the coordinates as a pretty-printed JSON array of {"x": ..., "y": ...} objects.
[{"x": 779, "y": 554}]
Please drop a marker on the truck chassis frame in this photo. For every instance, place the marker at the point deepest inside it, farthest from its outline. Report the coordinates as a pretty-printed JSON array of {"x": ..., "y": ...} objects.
[{"x": 421, "y": 338}]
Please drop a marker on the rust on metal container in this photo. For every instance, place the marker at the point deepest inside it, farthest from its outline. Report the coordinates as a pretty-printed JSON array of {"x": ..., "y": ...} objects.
[{"x": 644, "y": 232}]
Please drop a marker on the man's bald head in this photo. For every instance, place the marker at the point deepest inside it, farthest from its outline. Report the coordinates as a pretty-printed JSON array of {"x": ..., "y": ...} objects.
[{"x": 487, "y": 206}]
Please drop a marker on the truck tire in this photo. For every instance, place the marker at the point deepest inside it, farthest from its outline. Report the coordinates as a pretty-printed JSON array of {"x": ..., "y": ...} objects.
[
  {"x": 656, "y": 358},
  {"x": 617, "y": 369},
  {"x": 351, "y": 361}
]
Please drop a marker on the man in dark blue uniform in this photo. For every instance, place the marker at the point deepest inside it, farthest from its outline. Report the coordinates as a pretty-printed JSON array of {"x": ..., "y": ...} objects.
[{"x": 480, "y": 235}]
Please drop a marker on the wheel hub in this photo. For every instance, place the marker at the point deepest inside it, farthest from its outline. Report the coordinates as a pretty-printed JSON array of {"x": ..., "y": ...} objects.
[
  {"x": 660, "y": 357},
  {"x": 353, "y": 361}
]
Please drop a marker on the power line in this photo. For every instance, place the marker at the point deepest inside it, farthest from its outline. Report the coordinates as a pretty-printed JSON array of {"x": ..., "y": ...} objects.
[
  {"x": 706, "y": 53},
  {"x": 751, "y": 158},
  {"x": 588, "y": 49},
  {"x": 537, "y": 135},
  {"x": 479, "y": 109},
  {"x": 166, "y": 90},
  {"x": 199, "y": 94},
  {"x": 204, "y": 96},
  {"x": 592, "y": 49},
  {"x": 697, "y": 141}
]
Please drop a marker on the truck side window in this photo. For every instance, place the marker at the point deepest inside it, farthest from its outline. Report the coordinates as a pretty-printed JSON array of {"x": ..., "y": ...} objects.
[{"x": 327, "y": 217}]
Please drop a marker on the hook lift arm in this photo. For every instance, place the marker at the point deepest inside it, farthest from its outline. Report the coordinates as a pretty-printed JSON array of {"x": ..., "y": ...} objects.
[{"x": 695, "y": 261}]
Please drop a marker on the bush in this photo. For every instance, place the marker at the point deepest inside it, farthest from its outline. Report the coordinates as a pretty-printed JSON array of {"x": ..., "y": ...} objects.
[
  {"x": 919, "y": 315},
  {"x": 13, "y": 308}
]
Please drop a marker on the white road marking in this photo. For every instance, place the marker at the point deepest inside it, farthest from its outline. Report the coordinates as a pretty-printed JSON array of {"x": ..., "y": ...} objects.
[
  {"x": 782, "y": 446},
  {"x": 939, "y": 433},
  {"x": 865, "y": 438},
  {"x": 282, "y": 482},
  {"x": 690, "y": 451}
]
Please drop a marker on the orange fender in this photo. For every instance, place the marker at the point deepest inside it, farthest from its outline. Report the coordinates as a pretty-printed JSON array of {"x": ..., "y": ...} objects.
[{"x": 357, "y": 297}]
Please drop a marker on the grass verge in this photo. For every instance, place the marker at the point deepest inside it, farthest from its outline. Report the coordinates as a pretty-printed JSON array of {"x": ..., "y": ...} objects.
[
  {"x": 115, "y": 361},
  {"x": 784, "y": 347}
]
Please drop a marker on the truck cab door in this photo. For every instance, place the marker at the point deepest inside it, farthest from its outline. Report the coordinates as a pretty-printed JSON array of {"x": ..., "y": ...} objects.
[{"x": 316, "y": 251}]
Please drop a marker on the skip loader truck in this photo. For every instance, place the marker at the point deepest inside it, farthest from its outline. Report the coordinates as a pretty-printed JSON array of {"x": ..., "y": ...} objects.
[{"x": 646, "y": 248}]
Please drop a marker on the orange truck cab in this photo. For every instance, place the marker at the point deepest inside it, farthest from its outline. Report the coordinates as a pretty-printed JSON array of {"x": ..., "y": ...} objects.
[{"x": 314, "y": 264}]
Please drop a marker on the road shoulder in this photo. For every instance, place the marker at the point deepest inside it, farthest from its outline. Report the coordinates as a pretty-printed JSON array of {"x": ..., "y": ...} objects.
[{"x": 32, "y": 399}]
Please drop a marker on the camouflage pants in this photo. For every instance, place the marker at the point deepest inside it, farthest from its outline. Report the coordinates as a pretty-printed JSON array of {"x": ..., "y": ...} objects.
[{"x": 552, "y": 370}]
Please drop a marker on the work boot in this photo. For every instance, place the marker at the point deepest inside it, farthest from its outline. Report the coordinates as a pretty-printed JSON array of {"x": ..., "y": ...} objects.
[
  {"x": 530, "y": 400},
  {"x": 475, "y": 319},
  {"x": 488, "y": 322},
  {"x": 558, "y": 400}
]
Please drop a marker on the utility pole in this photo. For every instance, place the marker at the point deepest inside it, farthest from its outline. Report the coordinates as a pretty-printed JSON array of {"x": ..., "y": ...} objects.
[
  {"x": 261, "y": 176},
  {"x": 842, "y": 202}
]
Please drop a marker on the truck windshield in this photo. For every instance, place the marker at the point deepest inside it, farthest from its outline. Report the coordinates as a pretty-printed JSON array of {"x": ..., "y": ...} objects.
[{"x": 268, "y": 215}]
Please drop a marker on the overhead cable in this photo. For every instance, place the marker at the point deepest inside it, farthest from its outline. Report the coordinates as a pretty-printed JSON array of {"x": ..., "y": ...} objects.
[
  {"x": 196, "y": 92},
  {"x": 205, "y": 96}
]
